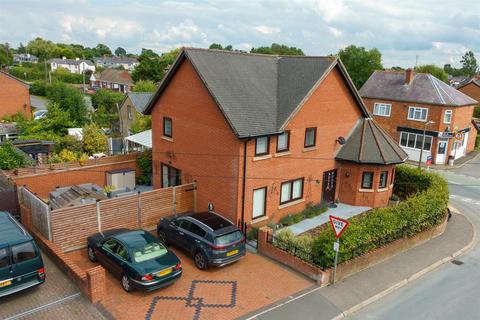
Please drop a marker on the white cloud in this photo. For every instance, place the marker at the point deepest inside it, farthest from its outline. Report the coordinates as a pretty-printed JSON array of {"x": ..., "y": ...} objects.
[
  {"x": 335, "y": 32},
  {"x": 266, "y": 29},
  {"x": 101, "y": 26},
  {"x": 183, "y": 31}
]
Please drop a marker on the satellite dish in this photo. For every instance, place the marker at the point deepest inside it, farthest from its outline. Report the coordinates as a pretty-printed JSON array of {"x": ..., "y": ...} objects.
[{"x": 341, "y": 140}]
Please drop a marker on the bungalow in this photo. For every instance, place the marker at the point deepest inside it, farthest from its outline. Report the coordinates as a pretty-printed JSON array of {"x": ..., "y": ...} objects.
[
  {"x": 14, "y": 96},
  {"x": 117, "y": 80},
  {"x": 410, "y": 105},
  {"x": 263, "y": 136},
  {"x": 126, "y": 63},
  {"x": 72, "y": 65}
]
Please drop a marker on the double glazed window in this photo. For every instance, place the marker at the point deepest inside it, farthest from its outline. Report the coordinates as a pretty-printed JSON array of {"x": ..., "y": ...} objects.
[
  {"x": 167, "y": 127},
  {"x": 367, "y": 180},
  {"x": 415, "y": 141},
  {"x": 283, "y": 142},
  {"x": 310, "y": 137},
  {"x": 262, "y": 146},
  {"x": 291, "y": 190},
  {"x": 259, "y": 202},
  {"x": 383, "y": 179},
  {"x": 171, "y": 177},
  {"x": 382, "y": 109},
  {"x": 417, "y": 113},
  {"x": 447, "y": 117}
]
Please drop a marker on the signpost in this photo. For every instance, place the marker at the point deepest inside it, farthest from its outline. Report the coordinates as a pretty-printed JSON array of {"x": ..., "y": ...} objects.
[{"x": 339, "y": 225}]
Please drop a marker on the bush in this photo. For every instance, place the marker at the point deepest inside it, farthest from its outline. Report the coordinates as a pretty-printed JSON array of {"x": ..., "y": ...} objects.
[
  {"x": 144, "y": 162},
  {"x": 67, "y": 156},
  {"x": 300, "y": 246},
  {"x": 10, "y": 157},
  {"x": 39, "y": 88},
  {"x": 252, "y": 233},
  {"x": 394, "y": 197},
  {"x": 94, "y": 140},
  {"x": 425, "y": 207},
  {"x": 477, "y": 142}
]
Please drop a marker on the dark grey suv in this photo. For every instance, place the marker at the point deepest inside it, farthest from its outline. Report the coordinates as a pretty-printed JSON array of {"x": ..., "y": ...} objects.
[{"x": 211, "y": 239}]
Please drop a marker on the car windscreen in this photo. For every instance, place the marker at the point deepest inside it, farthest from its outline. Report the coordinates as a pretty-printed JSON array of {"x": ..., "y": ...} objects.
[
  {"x": 149, "y": 251},
  {"x": 23, "y": 252},
  {"x": 4, "y": 258},
  {"x": 228, "y": 238}
]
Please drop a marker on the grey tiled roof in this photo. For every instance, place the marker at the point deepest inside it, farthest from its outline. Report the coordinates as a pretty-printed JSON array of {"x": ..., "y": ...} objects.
[
  {"x": 256, "y": 93},
  {"x": 115, "y": 60},
  {"x": 140, "y": 99},
  {"x": 369, "y": 144},
  {"x": 70, "y": 61},
  {"x": 425, "y": 88},
  {"x": 8, "y": 128}
]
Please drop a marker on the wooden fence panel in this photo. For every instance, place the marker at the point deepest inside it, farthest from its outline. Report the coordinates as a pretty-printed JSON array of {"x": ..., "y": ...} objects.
[
  {"x": 121, "y": 212},
  {"x": 155, "y": 205},
  {"x": 185, "y": 198}
]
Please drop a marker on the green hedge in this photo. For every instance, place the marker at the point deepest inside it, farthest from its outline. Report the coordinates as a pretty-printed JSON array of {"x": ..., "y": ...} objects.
[{"x": 425, "y": 206}]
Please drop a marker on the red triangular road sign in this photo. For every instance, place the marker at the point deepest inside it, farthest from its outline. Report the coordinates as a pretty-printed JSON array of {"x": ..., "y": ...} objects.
[{"x": 338, "y": 225}]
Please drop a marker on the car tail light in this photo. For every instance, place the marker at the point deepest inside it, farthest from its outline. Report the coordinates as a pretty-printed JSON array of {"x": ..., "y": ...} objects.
[
  {"x": 178, "y": 266},
  {"x": 147, "y": 277},
  {"x": 41, "y": 273},
  {"x": 218, "y": 247}
]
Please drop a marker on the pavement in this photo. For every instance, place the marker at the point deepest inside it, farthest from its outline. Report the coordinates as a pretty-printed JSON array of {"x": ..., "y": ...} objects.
[
  {"x": 459, "y": 163},
  {"x": 342, "y": 210},
  {"x": 357, "y": 291},
  {"x": 57, "y": 298}
]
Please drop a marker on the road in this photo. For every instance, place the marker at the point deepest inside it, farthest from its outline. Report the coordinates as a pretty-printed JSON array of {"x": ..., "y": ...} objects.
[{"x": 451, "y": 291}]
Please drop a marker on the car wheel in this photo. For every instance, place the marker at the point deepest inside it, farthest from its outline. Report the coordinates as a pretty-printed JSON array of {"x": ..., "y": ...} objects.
[
  {"x": 126, "y": 283},
  {"x": 91, "y": 254},
  {"x": 200, "y": 260},
  {"x": 162, "y": 236}
]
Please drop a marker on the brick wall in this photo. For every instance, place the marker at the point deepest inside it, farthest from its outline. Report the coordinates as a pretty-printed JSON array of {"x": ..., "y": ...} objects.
[
  {"x": 46, "y": 180},
  {"x": 14, "y": 96},
  {"x": 471, "y": 90}
]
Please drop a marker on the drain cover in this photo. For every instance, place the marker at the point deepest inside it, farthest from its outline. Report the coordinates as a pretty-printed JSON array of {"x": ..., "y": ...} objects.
[{"x": 457, "y": 262}]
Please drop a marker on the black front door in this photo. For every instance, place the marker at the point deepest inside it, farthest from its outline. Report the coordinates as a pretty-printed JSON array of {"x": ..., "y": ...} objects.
[{"x": 329, "y": 186}]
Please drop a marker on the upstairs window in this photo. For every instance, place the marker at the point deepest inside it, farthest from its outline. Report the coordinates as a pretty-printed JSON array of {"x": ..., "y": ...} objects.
[
  {"x": 382, "y": 109},
  {"x": 129, "y": 112},
  {"x": 310, "y": 137},
  {"x": 262, "y": 146},
  {"x": 367, "y": 180},
  {"x": 167, "y": 127},
  {"x": 447, "y": 117},
  {"x": 417, "y": 113},
  {"x": 283, "y": 142}
]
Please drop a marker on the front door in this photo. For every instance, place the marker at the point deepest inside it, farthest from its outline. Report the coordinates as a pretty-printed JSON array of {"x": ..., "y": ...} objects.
[
  {"x": 329, "y": 186},
  {"x": 441, "y": 151}
]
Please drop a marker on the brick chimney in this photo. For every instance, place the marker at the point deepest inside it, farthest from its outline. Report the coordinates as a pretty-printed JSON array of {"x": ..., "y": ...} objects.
[{"x": 409, "y": 76}]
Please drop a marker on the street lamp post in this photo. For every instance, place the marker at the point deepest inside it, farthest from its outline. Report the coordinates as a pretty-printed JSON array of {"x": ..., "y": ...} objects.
[{"x": 423, "y": 141}]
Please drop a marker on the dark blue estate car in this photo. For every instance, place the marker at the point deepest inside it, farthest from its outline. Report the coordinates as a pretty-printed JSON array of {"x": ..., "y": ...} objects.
[
  {"x": 137, "y": 257},
  {"x": 211, "y": 239}
]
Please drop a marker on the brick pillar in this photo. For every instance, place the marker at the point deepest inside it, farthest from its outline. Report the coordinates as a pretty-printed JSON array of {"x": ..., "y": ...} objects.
[
  {"x": 96, "y": 284},
  {"x": 263, "y": 232}
]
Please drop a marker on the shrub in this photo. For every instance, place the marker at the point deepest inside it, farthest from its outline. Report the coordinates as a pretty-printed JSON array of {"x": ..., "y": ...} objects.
[
  {"x": 144, "y": 162},
  {"x": 93, "y": 139},
  {"x": 424, "y": 208},
  {"x": 10, "y": 157},
  {"x": 300, "y": 246},
  {"x": 252, "y": 233},
  {"x": 477, "y": 142},
  {"x": 394, "y": 197},
  {"x": 67, "y": 155}
]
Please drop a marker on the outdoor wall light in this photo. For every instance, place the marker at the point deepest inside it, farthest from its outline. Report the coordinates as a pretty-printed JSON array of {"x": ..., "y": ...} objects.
[
  {"x": 347, "y": 174},
  {"x": 210, "y": 206}
]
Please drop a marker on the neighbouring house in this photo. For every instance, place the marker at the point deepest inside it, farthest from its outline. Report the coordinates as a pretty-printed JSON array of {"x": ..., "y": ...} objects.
[
  {"x": 8, "y": 131},
  {"x": 72, "y": 65},
  {"x": 38, "y": 150},
  {"x": 14, "y": 96},
  {"x": 75, "y": 196},
  {"x": 471, "y": 89},
  {"x": 458, "y": 80},
  {"x": 264, "y": 136},
  {"x": 126, "y": 63},
  {"x": 117, "y": 80},
  {"x": 405, "y": 104},
  {"x": 20, "y": 58},
  {"x": 131, "y": 109}
]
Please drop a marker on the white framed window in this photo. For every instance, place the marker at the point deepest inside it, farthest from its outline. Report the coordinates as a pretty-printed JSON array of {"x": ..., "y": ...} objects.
[
  {"x": 417, "y": 113},
  {"x": 447, "y": 117},
  {"x": 291, "y": 190},
  {"x": 414, "y": 141},
  {"x": 259, "y": 202},
  {"x": 382, "y": 109}
]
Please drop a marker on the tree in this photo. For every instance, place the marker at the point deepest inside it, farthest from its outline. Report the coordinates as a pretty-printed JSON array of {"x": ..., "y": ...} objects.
[
  {"x": 469, "y": 63},
  {"x": 360, "y": 63},
  {"x": 216, "y": 46},
  {"x": 279, "y": 49},
  {"x": 454, "y": 72},
  {"x": 102, "y": 50},
  {"x": 435, "y": 71},
  {"x": 151, "y": 66},
  {"x": 120, "y": 52},
  {"x": 105, "y": 104},
  {"x": 69, "y": 100},
  {"x": 6, "y": 56},
  {"x": 43, "y": 49},
  {"x": 144, "y": 86},
  {"x": 10, "y": 158},
  {"x": 94, "y": 140}
]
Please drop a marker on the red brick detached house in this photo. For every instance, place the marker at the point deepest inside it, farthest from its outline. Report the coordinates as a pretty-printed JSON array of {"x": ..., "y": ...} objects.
[
  {"x": 406, "y": 103},
  {"x": 14, "y": 96},
  {"x": 263, "y": 136},
  {"x": 471, "y": 89}
]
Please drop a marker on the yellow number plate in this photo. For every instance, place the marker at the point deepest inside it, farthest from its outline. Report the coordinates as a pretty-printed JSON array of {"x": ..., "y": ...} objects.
[
  {"x": 164, "y": 272},
  {"x": 231, "y": 253},
  {"x": 5, "y": 283}
]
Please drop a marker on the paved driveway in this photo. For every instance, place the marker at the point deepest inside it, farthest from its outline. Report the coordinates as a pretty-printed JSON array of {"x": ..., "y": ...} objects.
[
  {"x": 219, "y": 293},
  {"x": 57, "y": 298}
]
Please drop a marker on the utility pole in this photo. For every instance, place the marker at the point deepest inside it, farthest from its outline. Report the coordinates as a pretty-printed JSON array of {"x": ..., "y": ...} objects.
[
  {"x": 84, "y": 64},
  {"x": 416, "y": 60}
]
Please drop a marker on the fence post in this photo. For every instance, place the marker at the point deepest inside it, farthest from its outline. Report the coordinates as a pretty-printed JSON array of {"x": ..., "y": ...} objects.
[
  {"x": 174, "y": 200},
  {"x": 139, "y": 209},
  {"x": 49, "y": 224},
  {"x": 99, "y": 221}
]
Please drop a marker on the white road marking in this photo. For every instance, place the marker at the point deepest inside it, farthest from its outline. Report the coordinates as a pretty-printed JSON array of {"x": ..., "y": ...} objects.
[{"x": 45, "y": 306}]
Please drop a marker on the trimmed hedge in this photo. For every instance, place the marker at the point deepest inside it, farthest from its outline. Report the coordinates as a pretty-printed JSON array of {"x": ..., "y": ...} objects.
[{"x": 425, "y": 206}]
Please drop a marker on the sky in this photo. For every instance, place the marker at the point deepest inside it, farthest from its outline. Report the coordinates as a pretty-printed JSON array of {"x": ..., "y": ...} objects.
[{"x": 435, "y": 32}]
